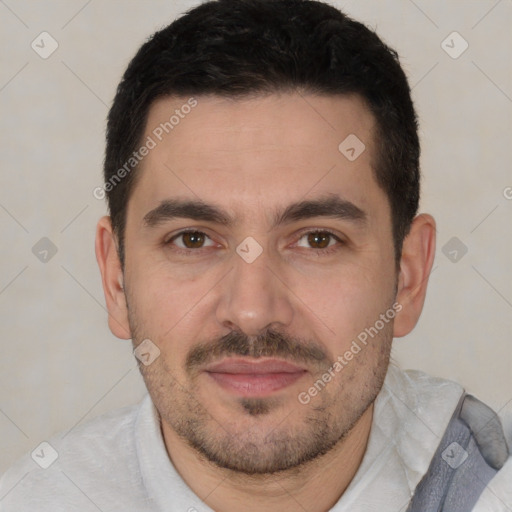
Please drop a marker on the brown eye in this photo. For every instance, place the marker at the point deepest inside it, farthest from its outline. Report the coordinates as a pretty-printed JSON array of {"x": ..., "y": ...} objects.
[
  {"x": 191, "y": 240},
  {"x": 322, "y": 242},
  {"x": 319, "y": 240}
]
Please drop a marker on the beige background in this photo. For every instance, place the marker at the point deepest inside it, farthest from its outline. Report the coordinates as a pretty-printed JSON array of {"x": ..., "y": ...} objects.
[{"x": 60, "y": 365}]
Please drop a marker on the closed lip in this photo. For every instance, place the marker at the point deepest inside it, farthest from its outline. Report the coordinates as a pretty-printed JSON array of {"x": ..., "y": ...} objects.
[{"x": 260, "y": 366}]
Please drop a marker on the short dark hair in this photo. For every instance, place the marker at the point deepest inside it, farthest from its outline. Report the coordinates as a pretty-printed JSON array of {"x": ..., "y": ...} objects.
[{"x": 240, "y": 48}]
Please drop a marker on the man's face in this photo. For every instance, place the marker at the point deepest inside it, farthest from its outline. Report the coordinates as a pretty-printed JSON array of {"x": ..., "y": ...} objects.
[{"x": 288, "y": 260}]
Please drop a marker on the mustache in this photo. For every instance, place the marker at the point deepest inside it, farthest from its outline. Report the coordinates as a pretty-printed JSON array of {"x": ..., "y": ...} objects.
[{"x": 271, "y": 343}]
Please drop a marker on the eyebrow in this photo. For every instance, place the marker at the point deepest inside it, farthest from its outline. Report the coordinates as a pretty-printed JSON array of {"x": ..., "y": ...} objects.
[
  {"x": 175, "y": 208},
  {"x": 331, "y": 206}
]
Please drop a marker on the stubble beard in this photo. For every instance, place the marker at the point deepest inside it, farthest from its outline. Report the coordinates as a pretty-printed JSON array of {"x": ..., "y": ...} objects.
[{"x": 277, "y": 440}]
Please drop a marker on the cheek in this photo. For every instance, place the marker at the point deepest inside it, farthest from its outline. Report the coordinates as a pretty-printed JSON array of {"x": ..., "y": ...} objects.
[
  {"x": 166, "y": 306},
  {"x": 347, "y": 300}
]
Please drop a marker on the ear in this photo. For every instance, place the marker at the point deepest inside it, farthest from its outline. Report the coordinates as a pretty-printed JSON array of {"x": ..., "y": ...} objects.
[
  {"x": 112, "y": 279},
  {"x": 418, "y": 253}
]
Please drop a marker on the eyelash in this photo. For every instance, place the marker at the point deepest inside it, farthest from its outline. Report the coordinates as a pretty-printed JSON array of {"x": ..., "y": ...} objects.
[
  {"x": 180, "y": 250},
  {"x": 321, "y": 252},
  {"x": 329, "y": 249}
]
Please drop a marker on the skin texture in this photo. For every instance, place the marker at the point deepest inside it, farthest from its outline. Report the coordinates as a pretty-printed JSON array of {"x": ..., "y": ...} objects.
[{"x": 304, "y": 299}]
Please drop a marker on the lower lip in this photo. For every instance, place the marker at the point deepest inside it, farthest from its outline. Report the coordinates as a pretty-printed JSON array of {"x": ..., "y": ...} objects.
[{"x": 254, "y": 385}]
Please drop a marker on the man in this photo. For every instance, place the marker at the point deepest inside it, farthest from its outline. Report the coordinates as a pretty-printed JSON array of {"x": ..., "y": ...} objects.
[{"x": 262, "y": 251}]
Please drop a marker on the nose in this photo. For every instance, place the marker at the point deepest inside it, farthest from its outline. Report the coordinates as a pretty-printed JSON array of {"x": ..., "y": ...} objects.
[{"x": 254, "y": 297}]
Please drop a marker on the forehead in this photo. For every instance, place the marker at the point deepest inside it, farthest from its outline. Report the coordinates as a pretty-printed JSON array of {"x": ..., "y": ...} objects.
[{"x": 248, "y": 152}]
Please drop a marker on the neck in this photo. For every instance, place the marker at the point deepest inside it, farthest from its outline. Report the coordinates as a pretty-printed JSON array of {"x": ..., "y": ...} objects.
[{"x": 296, "y": 489}]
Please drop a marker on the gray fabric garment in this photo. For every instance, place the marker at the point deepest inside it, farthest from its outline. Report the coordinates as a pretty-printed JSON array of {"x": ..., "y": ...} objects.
[{"x": 470, "y": 454}]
